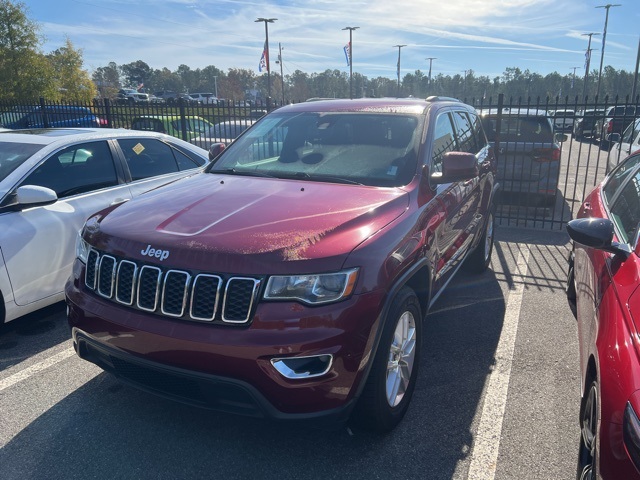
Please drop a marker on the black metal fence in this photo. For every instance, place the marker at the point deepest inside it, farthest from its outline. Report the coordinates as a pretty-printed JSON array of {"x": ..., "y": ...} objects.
[{"x": 551, "y": 152}]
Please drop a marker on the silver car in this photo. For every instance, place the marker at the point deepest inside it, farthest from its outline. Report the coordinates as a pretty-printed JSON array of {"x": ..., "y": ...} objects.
[
  {"x": 52, "y": 180},
  {"x": 528, "y": 155}
]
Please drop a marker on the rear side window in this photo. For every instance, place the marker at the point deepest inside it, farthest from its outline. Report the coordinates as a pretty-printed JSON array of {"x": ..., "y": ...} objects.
[
  {"x": 520, "y": 129},
  {"x": 147, "y": 157},
  {"x": 148, "y": 125}
]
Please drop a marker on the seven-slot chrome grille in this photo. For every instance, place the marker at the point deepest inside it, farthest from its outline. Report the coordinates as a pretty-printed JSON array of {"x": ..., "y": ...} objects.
[{"x": 175, "y": 293}]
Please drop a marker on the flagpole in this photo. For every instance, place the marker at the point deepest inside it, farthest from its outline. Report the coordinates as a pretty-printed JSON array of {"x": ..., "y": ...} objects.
[
  {"x": 351, "y": 29},
  {"x": 266, "y": 47}
]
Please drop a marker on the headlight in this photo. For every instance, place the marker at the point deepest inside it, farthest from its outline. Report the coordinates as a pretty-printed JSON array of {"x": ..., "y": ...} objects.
[
  {"x": 82, "y": 248},
  {"x": 631, "y": 434},
  {"x": 312, "y": 289}
]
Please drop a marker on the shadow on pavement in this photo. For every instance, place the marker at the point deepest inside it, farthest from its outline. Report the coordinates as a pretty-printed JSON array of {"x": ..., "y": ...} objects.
[{"x": 106, "y": 429}]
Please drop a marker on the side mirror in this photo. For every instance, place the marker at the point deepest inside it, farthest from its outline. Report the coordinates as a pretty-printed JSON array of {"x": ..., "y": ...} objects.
[
  {"x": 596, "y": 233},
  {"x": 561, "y": 137},
  {"x": 34, "y": 195},
  {"x": 215, "y": 150},
  {"x": 614, "y": 137},
  {"x": 456, "y": 167}
]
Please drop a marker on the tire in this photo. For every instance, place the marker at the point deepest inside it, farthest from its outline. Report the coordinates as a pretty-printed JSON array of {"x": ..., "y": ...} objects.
[
  {"x": 589, "y": 424},
  {"x": 479, "y": 260},
  {"x": 391, "y": 382}
]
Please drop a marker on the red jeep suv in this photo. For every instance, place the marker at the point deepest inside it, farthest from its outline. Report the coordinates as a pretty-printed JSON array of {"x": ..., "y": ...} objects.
[{"x": 291, "y": 278}]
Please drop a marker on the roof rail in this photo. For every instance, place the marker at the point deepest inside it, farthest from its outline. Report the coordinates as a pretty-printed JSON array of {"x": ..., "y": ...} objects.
[{"x": 436, "y": 98}]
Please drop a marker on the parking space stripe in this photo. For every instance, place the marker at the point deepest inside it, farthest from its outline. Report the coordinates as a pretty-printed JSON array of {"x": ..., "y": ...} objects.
[
  {"x": 484, "y": 456},
  {"x": 36, "y": 368}
]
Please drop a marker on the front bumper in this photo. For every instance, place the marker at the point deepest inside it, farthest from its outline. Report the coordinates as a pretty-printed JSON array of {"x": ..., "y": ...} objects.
[{"x": 229, "y": 368}]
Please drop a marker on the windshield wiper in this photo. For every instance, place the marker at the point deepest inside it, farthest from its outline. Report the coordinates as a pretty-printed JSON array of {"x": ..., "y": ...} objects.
[
  {"x": 318, "y": 178},
  {"x": 248, "y": 173},
  {"x": 332, "y": 179}
]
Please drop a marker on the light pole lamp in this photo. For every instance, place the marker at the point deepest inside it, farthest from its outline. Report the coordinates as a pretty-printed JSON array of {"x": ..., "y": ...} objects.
[
  {"x": 399, "y": 47},
  {"x": 351, "y": 29},
  {"x": 604, "y": 39},
  {"x": 266, "y": 47}
]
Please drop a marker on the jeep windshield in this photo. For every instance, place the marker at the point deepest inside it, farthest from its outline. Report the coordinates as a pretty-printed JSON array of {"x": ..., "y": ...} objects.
[{"x": 375, "y": 149}]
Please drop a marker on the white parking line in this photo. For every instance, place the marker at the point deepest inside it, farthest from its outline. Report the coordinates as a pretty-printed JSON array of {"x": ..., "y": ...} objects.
[
  {"x": 484, "y": 456},
  {"x": 36, "y": 368}
]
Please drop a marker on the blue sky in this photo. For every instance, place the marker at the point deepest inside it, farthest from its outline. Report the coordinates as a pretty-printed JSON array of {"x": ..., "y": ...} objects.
[{"x": 485, "y": 36}]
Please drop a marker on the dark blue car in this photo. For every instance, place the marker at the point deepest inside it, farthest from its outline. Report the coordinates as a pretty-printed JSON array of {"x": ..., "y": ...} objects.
[{"x": 28, "y": 116}]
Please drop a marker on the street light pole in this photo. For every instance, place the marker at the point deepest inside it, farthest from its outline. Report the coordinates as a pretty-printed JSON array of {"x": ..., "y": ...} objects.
[
  {"x": 573, "y": 79},
  {"x": 604, "y": 39},
  {"x": 215, "y": 82},
  {"x": 351, "y": 29},
  {"x": 587, "y": 63},
  {"x": 266, "y": 47},
  {"x": 399, "y": 47},
  {"x": 431, "y": 59}
]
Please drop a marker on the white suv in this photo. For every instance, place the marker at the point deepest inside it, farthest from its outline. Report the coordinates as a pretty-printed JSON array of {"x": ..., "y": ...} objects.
[
  {"x": 205, "y": 98},
  {"x": 130, "y": 95}
]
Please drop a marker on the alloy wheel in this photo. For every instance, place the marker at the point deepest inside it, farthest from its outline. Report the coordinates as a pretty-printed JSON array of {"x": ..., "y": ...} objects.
[{"x": 401, "y": 358}]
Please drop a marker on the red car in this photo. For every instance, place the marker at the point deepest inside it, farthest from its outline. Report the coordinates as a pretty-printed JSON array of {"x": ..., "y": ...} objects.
[
  {"x": 290, "y": 279},
  {"x": 604, "y": 290}
]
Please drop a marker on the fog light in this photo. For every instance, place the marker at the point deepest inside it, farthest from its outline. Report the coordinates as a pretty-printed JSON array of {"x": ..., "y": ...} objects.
[{"x": 295, "y": 368}]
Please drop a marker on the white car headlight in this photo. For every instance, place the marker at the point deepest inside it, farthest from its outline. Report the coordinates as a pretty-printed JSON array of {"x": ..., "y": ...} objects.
[
  {"x": 312, "y": 289},
  {"x": 82, "y": 248}
]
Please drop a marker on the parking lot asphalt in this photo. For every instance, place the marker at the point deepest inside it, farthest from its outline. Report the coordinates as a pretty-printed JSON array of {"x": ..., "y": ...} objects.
[{"x": 497, "y": 398}]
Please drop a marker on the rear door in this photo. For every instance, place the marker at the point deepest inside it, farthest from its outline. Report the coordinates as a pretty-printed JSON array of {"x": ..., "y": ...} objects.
[
  {"x": 38, "y": 244},
  {"x": 152, "y": 163}
]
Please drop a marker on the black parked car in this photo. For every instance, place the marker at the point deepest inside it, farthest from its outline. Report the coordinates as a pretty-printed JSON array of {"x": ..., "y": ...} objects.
[{"x": 585, "y": 123}]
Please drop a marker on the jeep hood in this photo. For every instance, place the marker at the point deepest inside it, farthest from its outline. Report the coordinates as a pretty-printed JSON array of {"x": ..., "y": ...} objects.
[{"x": 246, "y": 224}]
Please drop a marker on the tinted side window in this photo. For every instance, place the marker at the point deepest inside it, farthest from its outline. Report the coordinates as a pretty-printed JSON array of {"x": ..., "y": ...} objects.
[
  {"x": 443, "y": 141},
  {"x": 147, "y": 157},
  {"x": 618, "y": 177},
  {"x": 77, "y": 169},
  {"x": 465, "y": 133},
  {"x": 625, "y": 212},
  {"x": 185, "y": 162}
]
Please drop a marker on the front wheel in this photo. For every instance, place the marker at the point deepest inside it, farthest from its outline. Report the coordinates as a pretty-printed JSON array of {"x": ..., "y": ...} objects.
[
  {"x": 392, "y": 378},
  {"x": 589, "y": 419}
]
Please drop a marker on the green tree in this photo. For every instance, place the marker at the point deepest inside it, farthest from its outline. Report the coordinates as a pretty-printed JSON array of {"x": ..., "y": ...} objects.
[
  {"x": 25, "y": 73},
  {"x": 107, "y": 80},
  {"x": 72, "y": 82},
  {"x": 136, "y": 73}
]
